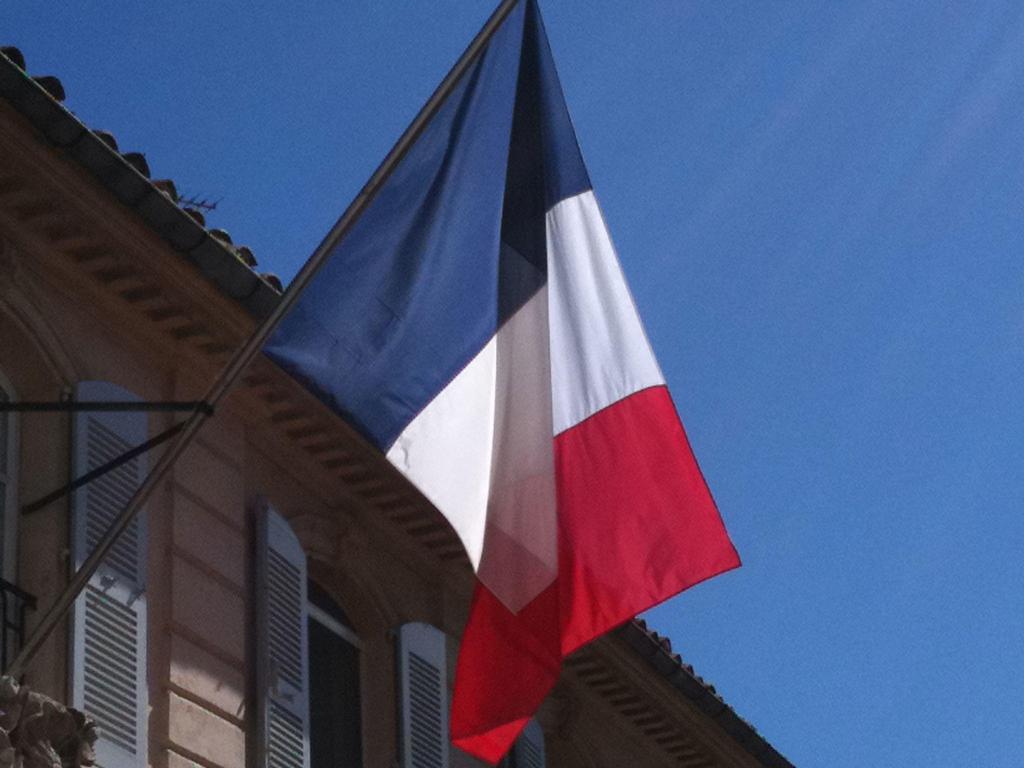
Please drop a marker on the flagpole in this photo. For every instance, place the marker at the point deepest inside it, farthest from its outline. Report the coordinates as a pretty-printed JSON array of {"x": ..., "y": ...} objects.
[{"x": 245, "y": 354}]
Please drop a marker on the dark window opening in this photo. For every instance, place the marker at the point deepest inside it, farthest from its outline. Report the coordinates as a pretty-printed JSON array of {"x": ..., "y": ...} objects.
[{"x": 335, "y": 728}]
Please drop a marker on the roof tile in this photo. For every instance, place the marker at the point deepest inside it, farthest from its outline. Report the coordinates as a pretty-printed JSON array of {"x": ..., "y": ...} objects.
[
  {"x": 52, "y": 86},
  {"x": 127, "y": 177},
  {"x": 274, "y": 280},
  {"x": 167, "y": 187},
  {"x": 657, "y": 650},
  {"x": 14, "y": 55},
  {"x": 196, "y": 214},
  {"x": 137, "y": 160}
]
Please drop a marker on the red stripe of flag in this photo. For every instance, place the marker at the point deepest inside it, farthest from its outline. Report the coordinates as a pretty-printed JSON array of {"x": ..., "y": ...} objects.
[{"x": 637, "y": 525}]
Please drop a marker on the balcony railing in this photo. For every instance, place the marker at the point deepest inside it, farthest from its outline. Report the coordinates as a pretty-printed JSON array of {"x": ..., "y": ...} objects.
[{"x": 14, "y": 603}]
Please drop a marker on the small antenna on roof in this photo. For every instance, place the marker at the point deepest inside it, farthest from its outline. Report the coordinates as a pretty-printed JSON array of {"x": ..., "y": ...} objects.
[{"x": 200, "y": 203}]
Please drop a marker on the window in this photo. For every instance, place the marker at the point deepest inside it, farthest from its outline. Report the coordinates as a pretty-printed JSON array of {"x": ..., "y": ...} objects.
[
  {"x": 528, "y": 751},
  {"x": 13, "y": 602},
  {"x": 307, "y": 660},
  {"x": 423, "y": 687},
  {"x": 109, "y": 625},
  {"x": 335, "y": 739},
  {"x": 8, "y": 494},
  {"x": 423, "y": 656},
  {"x": 282, "y": 674}
]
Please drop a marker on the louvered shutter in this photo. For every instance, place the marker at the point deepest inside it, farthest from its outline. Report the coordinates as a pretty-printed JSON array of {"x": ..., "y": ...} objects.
[
  {"x": 528, "y": 751},
  {"x": 424, "y": 690},
  {"x": 282, "y": 666},
  {"x": 108, "y": 639},
  {"x": 8, "y": 471}
]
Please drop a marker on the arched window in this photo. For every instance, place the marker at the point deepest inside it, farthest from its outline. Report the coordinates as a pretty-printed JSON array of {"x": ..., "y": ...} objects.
[
  {"x": 307, "y": 668},
  {"x": 335, "y": 726},
  {"x": 8, "y": 479},
  {"x": 12, "y": 605}
]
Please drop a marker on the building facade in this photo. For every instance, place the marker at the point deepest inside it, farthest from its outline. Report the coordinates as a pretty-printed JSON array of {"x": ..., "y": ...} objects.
[{"x": 286, "y": 599}]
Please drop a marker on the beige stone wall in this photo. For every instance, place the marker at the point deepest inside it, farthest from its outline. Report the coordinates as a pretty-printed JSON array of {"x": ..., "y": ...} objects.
[
  {"x": 384, "y": 563},
  {"x": 199, "y": 712},
  {"x": 199, "y": 564},
  {"x": 42, "y": 466}
]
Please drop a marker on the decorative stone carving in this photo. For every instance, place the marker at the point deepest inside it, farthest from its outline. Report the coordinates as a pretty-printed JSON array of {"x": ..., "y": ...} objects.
[
  {"x": 316, "y": 534},
  {"x": 38, "y": 732}
]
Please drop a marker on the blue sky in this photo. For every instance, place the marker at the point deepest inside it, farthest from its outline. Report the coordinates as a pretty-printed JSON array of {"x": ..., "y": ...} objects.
[{"x": 818, "y": 206}]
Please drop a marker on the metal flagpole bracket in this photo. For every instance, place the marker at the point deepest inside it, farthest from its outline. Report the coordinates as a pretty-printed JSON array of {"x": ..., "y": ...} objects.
[
  {"x": 114, "y": 463},
  {"x": 106, "y": 406}
]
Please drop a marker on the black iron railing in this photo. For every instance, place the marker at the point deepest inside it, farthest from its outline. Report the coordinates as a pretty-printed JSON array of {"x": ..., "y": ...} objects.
[{"x": 14, "y": 602}]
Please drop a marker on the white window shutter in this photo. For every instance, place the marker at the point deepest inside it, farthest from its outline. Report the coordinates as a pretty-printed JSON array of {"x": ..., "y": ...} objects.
[
  {"x": 282, "y": 665},
  {"x": 422, "y": 676},
  {"x": 528, "y": 751},
  {"x": 108, "y": 638}
]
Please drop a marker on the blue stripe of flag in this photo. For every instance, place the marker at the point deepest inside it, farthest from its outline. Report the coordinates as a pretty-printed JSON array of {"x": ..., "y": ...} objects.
[{"x": 422, "y": 281}]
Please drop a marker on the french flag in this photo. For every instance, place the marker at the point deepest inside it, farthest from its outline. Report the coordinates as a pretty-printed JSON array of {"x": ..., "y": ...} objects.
[{"x": 475, "y": 326}]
